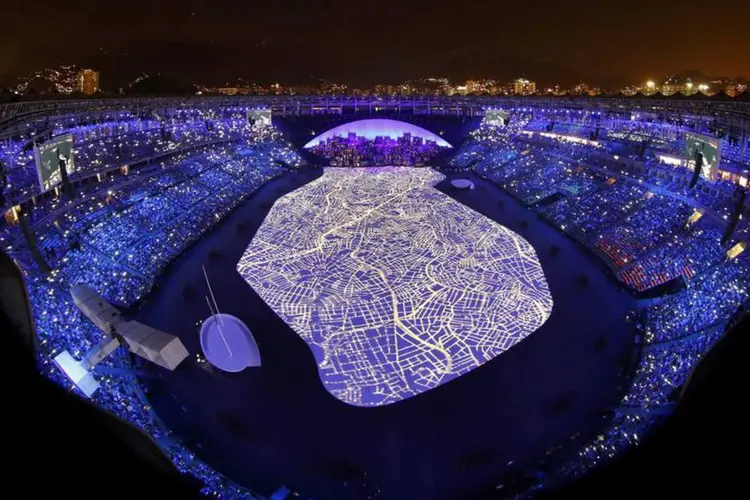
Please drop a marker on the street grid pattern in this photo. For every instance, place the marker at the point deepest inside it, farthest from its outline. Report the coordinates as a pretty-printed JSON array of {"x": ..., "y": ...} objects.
[{"x": 396, "y": 287}]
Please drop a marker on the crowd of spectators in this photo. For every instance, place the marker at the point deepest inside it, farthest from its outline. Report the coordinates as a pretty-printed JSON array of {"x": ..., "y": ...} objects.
[
  {"x": 659, "y": 217},
  {"x": 490, "y": 145},
  {"x": 120, "y": 232},
  {"x": 117, "y": 235},
  {"x": 660, "y": 132},
  {"x": 146, "y": 223},
  {"x": 684, "y": 254},
  {"x": 648, "y": 225},
  {"x": 590, "y": 214},
  {"x": 625, "y": 429},
  {"x": 358, "y": 151},
  {"x": 641, "y": 227},
  {"x": 61, "y": 326},
  {"x": 664, "y": 368},
  {"x": 538, "y": 183},
  {"x": 122, "y": 140},
  {"x": 708, "y": 301}
]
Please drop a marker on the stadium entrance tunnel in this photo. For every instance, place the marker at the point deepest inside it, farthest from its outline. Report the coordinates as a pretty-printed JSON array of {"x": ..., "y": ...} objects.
[{"x": 396, "y": 287}]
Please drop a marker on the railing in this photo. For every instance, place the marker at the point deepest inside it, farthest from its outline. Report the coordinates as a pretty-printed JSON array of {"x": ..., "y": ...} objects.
[
  {"x": 699, "y": 105},
  {"x": 78, "y": 178}
]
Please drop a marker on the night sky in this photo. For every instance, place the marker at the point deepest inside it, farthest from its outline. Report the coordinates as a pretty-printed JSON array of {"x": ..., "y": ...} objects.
[{"x": 366, "y": 41}]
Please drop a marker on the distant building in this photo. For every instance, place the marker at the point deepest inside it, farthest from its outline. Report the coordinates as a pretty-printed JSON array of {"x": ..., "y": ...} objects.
[
  {"x": 734, "y": 89},
  {"x": 88, "y": 81},
  {"x": 60, "y": 80},
  {"x": 385, "y": 89},
  {"x": 331, "y": 88},
  {"x": 673, "y": 85},
  {"x": 580, "y": 89},
  {"x": 671, "y": 88},
  {"x": 523, "y": 86},
  {"x": 432, "y": 86},
  {"x": 483, "y": 86}
]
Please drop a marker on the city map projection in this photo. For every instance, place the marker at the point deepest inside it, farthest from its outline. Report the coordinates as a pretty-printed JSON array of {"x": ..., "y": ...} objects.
[{"x": 395, "y": 287}]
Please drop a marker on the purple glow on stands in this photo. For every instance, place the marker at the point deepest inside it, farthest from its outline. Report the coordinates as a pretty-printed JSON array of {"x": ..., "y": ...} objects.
[{"x": 370, "y": 129}]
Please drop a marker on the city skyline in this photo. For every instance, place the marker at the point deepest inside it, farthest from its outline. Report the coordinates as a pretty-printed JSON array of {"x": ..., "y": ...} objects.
[
  {"x": 73, "y": 80},
  {"x": 370, "y": 43}
]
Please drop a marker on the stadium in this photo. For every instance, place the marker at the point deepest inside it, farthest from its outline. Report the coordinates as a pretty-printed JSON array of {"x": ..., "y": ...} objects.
[{"x": 381, "y": 297}]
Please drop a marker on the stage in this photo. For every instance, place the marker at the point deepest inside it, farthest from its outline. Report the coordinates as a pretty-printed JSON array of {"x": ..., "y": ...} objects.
[
  {"x": 396, "y": 287},
  {"x": 279, "y": 424}
]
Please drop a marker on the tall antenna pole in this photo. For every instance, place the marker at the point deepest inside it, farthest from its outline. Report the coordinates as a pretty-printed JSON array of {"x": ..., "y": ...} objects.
[
  {"x": 218, "y": 326},
  {"x": 220, "y": 320},
  {"x": 210, "y": 290}
]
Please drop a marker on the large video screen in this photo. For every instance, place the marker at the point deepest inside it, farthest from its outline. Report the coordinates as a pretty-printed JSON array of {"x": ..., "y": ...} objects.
[
  {"x": 703, "y": 149},
  {"x": 496, "y": 117},
  {"x": 51, "y": 156},
  {"x": 259, "y": 117}
]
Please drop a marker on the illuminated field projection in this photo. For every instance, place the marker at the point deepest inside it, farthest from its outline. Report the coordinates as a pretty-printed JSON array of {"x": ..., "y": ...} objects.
[{"x": 396, "y": 287}]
